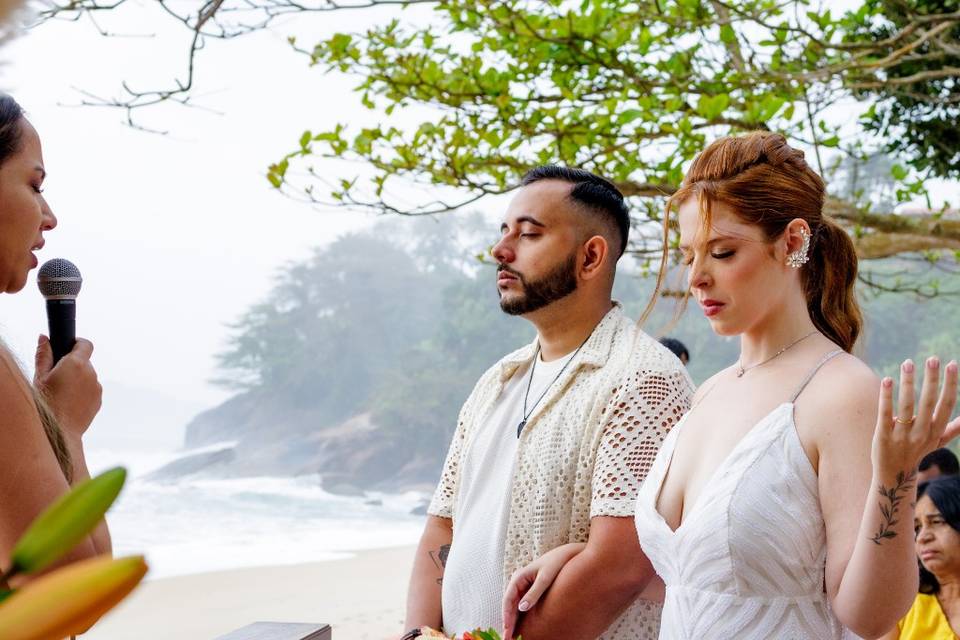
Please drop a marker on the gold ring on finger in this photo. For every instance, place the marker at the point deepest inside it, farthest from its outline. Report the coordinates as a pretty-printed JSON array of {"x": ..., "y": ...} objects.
[{"x": 908, "y": 422}]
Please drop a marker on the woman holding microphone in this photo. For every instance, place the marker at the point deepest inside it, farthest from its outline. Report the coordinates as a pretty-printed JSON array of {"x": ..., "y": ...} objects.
[{"x": 41, "y": 425}]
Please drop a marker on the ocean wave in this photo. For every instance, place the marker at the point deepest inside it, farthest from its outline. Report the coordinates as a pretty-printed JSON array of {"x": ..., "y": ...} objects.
[{"x": 196, "y": 525}]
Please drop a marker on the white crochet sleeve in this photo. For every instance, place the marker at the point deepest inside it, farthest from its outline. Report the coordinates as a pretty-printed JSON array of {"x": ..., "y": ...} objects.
[
  {"x": 442, "y": 503},
  {"x": 443, "y": 497},
  {"x": 644, "y": 407}
]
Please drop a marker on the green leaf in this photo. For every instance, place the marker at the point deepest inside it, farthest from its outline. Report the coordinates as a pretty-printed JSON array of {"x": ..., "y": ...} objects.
[
  {"x": 711, "y": 107},
  {"x": 276, "y": 172},
  {"x": 66, "y": 522},
  {"x": 339, "y": 43},
  {"x": 899, "y": 172},
  {"x": 305, "y": 139},
  {"x": 644, "y": 40},
  {"x": 727, "y": 34},
  {"x": 771, "y": 105}
]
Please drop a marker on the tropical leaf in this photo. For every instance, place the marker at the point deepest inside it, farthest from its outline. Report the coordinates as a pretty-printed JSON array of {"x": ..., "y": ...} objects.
[
  {"x": 66, "y": 522},
  {"x": 70, "y": 600}
]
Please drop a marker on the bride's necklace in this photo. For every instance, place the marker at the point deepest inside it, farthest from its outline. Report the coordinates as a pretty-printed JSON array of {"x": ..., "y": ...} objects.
[{"x": 742, "y": 370}]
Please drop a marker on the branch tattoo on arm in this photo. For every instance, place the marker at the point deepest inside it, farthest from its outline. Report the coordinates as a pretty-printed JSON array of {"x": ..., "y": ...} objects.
[
  {"x": 439, "y": 558},
  {"x": 890, "y": 503}
]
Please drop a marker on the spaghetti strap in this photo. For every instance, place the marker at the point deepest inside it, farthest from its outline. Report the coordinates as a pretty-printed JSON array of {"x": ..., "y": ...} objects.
[{"x": 813, "y": 372}]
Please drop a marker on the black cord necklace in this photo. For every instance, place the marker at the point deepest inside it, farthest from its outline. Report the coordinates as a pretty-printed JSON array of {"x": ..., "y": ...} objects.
[{"x": 533, "y": 365}]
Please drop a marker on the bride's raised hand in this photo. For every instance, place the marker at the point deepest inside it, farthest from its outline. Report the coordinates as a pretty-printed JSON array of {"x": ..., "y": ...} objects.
[
  {"x": 528, "y": 584},
  {"x": 902, "y": 439}
]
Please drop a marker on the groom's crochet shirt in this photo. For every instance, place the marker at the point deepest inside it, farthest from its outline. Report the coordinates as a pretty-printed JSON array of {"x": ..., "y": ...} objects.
[{"x": 584, "y": 451}]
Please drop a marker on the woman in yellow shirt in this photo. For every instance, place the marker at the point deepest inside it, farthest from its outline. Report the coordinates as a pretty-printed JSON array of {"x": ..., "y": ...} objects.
[{"x": 935, "y": 614}]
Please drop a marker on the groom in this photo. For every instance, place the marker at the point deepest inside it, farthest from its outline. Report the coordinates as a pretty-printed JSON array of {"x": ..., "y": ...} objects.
[{"x": 554, "y": 441}]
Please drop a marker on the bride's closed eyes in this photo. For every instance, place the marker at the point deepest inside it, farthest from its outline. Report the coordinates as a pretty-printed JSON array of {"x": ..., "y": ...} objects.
[{"x": 687, "y": 258}]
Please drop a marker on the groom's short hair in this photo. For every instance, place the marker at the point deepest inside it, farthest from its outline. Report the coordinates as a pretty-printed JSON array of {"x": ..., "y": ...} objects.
[{"x": 590, "y": 193}]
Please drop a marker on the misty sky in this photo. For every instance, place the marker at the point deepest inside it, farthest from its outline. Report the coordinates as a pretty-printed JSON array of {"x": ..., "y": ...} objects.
[{"x": 175, "y": 235}]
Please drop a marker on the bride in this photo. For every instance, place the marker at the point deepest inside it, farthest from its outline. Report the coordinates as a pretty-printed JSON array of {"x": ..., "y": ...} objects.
[{"x": 781, "y": 506}]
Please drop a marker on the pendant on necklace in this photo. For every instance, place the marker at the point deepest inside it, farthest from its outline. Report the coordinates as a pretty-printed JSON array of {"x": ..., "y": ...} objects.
[
  {"x": 740, "y": 372},
  {"x": 520, "y": 426}
]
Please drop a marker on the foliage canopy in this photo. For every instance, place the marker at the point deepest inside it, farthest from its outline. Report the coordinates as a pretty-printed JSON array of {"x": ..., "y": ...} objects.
[
  {"x": 472, "y": 93},
  {"x": 918, "y": 110}
]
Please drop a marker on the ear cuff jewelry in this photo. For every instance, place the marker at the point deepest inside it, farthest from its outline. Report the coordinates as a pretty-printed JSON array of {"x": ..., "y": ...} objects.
[{"x": 801, "y": 256}]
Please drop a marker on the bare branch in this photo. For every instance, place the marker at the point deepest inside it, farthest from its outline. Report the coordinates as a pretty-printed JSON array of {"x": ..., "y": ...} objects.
[
  {"x": 878, "y": 245},
  {"x": 203, "y": 24},
  {"x": 921, "y": 76},
  {"x": 930, "y": 225},
  {"x": 881, "y": 284},
  {"x": 646, "y": 189}
]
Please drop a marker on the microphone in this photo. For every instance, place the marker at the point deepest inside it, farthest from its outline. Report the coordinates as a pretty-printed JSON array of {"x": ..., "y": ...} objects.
[{"x": 59, "y": 281}]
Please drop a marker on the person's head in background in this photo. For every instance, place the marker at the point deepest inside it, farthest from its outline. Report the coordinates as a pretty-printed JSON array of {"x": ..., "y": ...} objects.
[
  {"x": 939, "y": 462},
  {"x": 937, "y": 527},
  {"x": 678, "y": 348},
  {"x": 24, "y": 213},
  {"x": 561, "y": 238}
]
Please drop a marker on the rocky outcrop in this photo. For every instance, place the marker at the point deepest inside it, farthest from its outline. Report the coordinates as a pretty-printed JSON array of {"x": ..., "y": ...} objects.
[
  {"x": 359, "y": 454},
  {"x": 202, "y": 463},
  {"x": 351, "y": 456}
]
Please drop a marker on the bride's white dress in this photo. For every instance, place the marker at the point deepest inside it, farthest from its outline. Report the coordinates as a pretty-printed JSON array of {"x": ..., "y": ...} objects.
[{"x": 747, "y": 562}]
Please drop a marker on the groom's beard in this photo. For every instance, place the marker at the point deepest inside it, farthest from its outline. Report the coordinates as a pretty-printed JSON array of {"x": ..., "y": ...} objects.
[{"x": 557, "y": 284}]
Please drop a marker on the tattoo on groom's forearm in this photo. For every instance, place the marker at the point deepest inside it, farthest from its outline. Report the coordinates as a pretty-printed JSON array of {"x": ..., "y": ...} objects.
[
  {"x": 439, "y": 558},
  {"x": 890, "y": 504}
]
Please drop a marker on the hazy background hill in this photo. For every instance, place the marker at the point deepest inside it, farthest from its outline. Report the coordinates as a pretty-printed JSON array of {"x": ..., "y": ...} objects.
[{"x": 356, "y": 364}]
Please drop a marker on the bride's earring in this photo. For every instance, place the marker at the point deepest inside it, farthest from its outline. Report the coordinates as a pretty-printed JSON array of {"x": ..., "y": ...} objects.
[{"x": 800, "y": 257}]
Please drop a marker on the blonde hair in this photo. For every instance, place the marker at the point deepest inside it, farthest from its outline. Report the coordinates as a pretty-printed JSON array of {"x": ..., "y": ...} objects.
[{"x": 51, "y": 426}]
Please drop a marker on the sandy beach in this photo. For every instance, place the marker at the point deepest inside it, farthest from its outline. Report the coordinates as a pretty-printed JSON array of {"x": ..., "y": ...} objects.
[{"x": 361, "y": 597}]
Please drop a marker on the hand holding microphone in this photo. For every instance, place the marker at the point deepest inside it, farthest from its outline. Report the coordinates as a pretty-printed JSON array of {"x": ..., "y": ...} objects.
[
  {"x": 64, "y": 373},
  {"x": 60, "y": 281}
]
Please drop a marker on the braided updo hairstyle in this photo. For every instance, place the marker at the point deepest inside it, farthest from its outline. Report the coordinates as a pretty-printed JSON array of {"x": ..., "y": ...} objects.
[{"x": 767, "y": 183}]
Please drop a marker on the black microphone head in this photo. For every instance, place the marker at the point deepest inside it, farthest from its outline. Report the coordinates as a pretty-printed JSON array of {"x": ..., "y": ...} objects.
[{"x": 59, "y": 279}]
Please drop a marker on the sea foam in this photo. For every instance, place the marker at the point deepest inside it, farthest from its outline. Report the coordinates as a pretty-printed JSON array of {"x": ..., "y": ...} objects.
[{"x": 197, "y": 525}]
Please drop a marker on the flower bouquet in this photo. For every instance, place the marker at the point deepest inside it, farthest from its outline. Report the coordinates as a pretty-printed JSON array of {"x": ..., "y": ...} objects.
[{"x": 476, "y": 634}]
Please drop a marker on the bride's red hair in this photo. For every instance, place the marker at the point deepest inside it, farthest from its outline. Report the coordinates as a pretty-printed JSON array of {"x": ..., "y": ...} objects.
[{"x": 767, "y": 183}]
